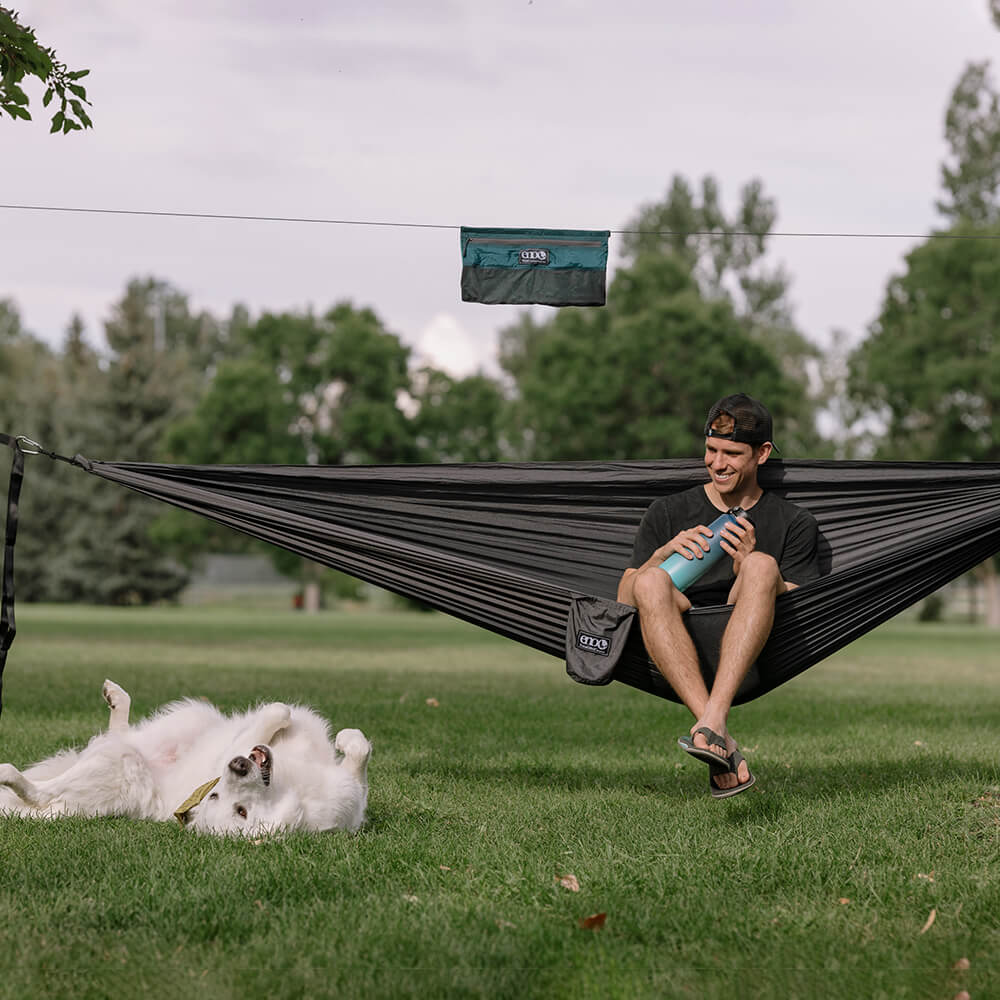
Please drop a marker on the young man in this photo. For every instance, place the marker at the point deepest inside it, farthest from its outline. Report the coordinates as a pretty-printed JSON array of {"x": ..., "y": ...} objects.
[{"x": 771, "y": 550}]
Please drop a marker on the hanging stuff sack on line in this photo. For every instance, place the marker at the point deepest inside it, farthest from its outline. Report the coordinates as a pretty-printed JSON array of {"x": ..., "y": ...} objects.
[{"x": 550, "y": 267}]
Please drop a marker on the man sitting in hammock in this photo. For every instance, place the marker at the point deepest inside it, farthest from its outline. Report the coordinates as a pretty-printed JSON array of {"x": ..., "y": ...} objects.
[{"x": 771, "y": 550}]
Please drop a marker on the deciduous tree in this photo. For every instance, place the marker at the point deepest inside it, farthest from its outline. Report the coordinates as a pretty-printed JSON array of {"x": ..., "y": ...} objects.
[
  {"x": 22, "y": 55},
  {"x": 929, "y": 371},
  {"x": 635, "y": 379},
  {"x": 458, "y": 419},
  {"x": 970, "y": 175},
  {"x": 726, "y": 253},
  {"x": 304, "y": 388}
]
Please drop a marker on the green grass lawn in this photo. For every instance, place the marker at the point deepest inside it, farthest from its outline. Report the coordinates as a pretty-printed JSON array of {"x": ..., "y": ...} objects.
[{"x": 876, "y": 808}]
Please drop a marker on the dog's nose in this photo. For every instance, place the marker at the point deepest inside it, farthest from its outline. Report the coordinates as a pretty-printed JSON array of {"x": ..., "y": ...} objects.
[{"x": 239, "y": 766}]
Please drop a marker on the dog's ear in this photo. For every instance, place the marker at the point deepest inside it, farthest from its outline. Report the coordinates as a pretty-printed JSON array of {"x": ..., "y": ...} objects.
[{"x": 185, "y": 811}]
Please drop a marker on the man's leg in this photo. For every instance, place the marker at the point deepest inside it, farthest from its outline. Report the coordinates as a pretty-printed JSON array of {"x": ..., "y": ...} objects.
[
  {"x": 667, "y": 641},
  {"x": 753, "y": 595}
]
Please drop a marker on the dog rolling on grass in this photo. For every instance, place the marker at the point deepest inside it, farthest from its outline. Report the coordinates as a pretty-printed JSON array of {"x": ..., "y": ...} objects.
[{"x": 271, "y": 769}]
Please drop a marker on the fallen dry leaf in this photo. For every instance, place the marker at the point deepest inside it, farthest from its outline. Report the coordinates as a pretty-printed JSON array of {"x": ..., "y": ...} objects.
[
  {"x": 929, "y": 877},
  {"x": 962, "y": 995},
  {"x": 961, "y": 965},
  {"x": 930, "y": 920},
  {"x": 444, "y": 868},
  {"x": 843, "y": 901},
  {"x": 594, "y": 922},
  {"x": 411, "y": 899},
  {"x": 433, "y": 702},
  {"x": 569, "y": 882},
  {"x": 505, "y": 925}
]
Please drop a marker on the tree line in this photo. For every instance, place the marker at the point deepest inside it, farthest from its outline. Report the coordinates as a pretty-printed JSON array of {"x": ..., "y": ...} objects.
[{"x": 696, "y": 309}]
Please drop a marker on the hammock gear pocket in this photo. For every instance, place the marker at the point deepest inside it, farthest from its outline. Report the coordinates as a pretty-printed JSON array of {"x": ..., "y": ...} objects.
[
  {"x": 597, "y": 630},
  {"x": 550, "y": 267}
]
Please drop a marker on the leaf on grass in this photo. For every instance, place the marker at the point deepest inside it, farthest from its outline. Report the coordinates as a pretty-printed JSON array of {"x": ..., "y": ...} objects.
[
  {"x": 991, "y": 797},
  {"x": 929, "y": 877},
  {"x": 930, "y": 920},
  {"x": 594, "y": 922},
  {"x": 444, "y": 868},
  {"x": 843, "y": 901},
  {"x": 961, "y": 965},
  {"x": 433, "y": 702},
  {"x": 962, "y": 995},
  {"x": 505, "y": 925},
  {"x": 411, "y": 899},
  {"x": 569, "y": 882}
]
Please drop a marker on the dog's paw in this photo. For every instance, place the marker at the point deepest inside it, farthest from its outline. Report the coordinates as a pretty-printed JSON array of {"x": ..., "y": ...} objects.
[
  {"x": 352, "y": 743},
  {"x": 115, "y": 696},
  {"x": 277, "y": 715},
  {"x": 8, "y": 774}
]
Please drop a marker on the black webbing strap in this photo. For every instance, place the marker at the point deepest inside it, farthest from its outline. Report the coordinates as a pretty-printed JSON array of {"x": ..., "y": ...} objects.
[{"x": 7, "y": 625}]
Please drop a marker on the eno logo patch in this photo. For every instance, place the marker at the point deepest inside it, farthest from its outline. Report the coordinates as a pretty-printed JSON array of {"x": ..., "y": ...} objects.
[
  {"x": 534, "y": 256},
  {"x": 593, "y": 643}
]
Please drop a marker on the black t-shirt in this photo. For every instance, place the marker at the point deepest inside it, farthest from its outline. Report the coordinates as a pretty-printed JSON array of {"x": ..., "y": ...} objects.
[{"x": 783, "y": 530}]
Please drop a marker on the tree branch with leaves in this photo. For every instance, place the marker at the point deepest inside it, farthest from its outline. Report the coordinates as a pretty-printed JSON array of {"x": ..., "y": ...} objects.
[{"x": 21, "y": 55}]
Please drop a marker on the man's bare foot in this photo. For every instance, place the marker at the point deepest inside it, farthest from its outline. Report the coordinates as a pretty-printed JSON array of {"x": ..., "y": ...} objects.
[
  {"x": 726, "y": 782},
  {"x": 721, "y": 779},
  {"x": 706, "y": 737}
]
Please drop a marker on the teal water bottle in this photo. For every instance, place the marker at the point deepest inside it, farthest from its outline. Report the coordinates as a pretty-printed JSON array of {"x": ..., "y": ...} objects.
[{"x": 685, "y": 571}]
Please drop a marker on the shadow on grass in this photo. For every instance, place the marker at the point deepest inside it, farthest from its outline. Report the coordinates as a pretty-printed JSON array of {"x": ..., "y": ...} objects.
[
  {"x": 637, "y": 779},
  {"x": 915, "y": 773},
  {"x": 777, "y": 788}
]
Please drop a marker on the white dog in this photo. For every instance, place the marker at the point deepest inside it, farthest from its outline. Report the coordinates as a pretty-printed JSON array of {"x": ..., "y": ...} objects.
[{"x": 270, "y": 769}]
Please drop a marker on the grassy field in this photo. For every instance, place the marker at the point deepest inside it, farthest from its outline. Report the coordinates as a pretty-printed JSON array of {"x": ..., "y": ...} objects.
[{"x": 864, "y": 864}]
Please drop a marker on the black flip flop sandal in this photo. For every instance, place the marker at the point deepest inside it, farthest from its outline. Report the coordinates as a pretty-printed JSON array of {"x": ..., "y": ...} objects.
[
  {"x": 703, "y": 754},
  {"x": 732, "y": 766}
]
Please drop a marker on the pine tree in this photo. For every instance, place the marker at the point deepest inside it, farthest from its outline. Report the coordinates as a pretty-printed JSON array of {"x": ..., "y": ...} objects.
[{"x": 112, "y": 556}]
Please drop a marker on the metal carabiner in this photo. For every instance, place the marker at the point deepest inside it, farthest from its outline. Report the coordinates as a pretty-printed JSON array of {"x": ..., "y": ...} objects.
[{"x": 35, "y": 449}]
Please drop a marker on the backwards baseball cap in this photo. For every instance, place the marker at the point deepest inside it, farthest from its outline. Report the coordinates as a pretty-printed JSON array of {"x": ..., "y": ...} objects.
[{"x": 751, "y": 420}]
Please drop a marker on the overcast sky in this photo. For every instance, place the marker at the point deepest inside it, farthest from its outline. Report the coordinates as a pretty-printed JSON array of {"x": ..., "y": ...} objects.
[{"x": 541, "y": 113}]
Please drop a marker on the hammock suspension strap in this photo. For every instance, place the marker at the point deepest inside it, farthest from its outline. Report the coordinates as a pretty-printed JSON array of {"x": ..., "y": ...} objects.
[
  {"x": 20, "y": 446},
  {"x": 8, "y": 627}
]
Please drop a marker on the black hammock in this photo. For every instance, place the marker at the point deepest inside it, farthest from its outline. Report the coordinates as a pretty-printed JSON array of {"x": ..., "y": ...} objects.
[{"x": 506, "y": 546}]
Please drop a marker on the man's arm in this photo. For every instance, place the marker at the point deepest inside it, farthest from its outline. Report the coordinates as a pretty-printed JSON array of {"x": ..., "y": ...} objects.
[{"x": 800, "y": 559}]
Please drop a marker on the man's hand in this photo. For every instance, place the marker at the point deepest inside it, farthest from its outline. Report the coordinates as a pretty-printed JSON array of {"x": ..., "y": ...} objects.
[
  {"x": 692, "y": 543},
  {"x": 738, "y": 540}
]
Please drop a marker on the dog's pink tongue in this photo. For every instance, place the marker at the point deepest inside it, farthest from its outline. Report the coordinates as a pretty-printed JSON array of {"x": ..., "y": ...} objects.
[{"x": 258, "y": 756}]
